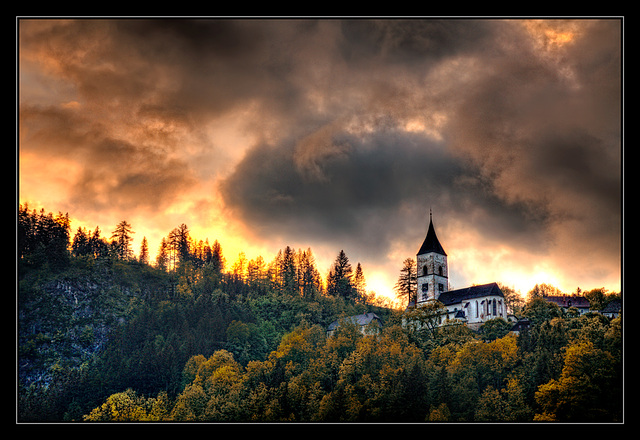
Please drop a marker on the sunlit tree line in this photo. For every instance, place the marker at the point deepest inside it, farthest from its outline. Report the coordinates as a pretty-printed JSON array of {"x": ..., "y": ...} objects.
[
  {"x": 194, "y": 338},
  {"x": 47, "y": 238}
]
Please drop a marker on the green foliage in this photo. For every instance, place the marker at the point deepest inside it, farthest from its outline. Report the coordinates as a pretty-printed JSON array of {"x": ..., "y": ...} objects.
[
  {"x": 495, "y": 328},
  {"x": 387, "y": 377},
  {"x": 105, "y": 337}
]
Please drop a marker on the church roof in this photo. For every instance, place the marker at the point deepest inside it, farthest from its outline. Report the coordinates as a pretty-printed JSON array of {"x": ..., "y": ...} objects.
[
  {"x": 431, "y": 243},
  {"x": 459, "y": 295}
]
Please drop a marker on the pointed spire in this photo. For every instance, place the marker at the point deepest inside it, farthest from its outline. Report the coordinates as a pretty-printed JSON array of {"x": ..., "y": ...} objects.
[{"x": 431, "y": 242}]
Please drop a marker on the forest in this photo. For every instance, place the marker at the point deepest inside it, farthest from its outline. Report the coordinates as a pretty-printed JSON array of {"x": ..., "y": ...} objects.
[{"x": 105, "y": 335}]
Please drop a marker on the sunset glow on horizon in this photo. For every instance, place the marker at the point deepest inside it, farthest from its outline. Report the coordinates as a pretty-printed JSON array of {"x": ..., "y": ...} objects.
[{"x": 336, "y": 135}]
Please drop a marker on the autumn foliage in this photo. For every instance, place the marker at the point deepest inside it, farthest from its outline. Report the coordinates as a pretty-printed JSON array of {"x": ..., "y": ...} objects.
[{"x": 104, "y": 337}]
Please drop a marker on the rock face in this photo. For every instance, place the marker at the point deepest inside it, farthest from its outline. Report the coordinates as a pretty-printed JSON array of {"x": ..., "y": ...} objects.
[{"x": 63, "y": 322}]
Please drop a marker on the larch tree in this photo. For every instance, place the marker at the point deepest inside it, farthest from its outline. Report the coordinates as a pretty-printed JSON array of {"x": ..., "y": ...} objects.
[
  {"x": 144, "y": 251},
  {"x": 407, "y": 283}
]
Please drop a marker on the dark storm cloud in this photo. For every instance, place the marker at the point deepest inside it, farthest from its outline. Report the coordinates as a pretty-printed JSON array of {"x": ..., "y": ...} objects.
[
  {"x": 414, "y": 42},
  {"x": 185, "y": 72},
  {"x": 545, "y": 130},
  {"x": 515, "y": 126},
  {"x": 214, "y": 66},
  {"x": 532, "y": 139},
  {"x": 207, "y": 67},
  {"x": 365, "y": 187}
]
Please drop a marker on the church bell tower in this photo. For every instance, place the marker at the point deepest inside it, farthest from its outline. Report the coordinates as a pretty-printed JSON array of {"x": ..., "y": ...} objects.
[{"x": 432, "y": 269}]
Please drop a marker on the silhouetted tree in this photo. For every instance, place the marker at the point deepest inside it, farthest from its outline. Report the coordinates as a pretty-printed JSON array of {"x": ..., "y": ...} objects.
[
  {"x": 121, "y": 237},
  {"x": 162, "y": 259},
  {"x": 43, "y": 238},
  {"x": 144, "y": 251},
  {"x": 359, "y": 284},
  {"x": 81, "y": 245},
  {"x": 179, "y": 243},
  {"x": 339, "y": 278}
]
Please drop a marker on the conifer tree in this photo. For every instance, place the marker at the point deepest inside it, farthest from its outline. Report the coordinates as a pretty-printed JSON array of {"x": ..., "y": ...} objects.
[
  {"x": 359, "y": 284},
  {"x": 162, "y": 259},
  {"x": 217, "y": 260},
  {"x": 288, "y": 270},
  {"x": 339, "y": 278},
  {"x": 81, "y": 245},
  {"x": 99, "y": 246},
  {"x": 407, "y": 283},
  {"x": 308, "y": 276},
  {"x": 144, "y": 251},
  {"x": 179, "y": 243},
  {"x": 43, "y": 238},
  {"x": 121, "y": 237}
]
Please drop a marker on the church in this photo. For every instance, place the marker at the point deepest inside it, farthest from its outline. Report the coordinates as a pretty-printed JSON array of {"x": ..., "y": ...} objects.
[{"x": 471, "y": 305}]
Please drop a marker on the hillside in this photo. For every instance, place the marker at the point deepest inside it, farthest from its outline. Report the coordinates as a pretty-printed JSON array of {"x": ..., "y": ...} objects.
[
  {"x": 91, "y": 323},
  {"x": 104, "y": 336}
]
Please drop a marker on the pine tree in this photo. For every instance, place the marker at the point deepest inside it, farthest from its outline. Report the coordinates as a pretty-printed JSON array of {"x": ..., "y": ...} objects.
[
  {"x": 239, "y": 267},
  {"x": 257, "y": 273},
  {"x": 43, "y": 238}
]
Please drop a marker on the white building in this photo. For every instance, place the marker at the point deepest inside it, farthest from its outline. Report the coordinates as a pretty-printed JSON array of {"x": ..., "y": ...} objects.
[{"x": 472, "y": 305}]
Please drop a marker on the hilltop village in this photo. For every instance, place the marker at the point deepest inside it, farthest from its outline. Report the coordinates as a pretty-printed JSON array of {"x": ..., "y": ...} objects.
[
  {"x": 472, "y": 306},
  {"x": 106, "y": 337}
]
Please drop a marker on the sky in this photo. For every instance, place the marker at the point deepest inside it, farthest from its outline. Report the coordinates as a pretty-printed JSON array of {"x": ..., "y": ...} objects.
[{"x": 337, "y": 134}]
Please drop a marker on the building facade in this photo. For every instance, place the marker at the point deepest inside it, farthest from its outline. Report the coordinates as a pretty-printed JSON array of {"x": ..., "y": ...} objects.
[{"x": 471, "y": 305}]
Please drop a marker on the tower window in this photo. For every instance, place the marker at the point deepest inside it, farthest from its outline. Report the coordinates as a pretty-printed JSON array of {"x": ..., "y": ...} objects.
[
  {"x": 440, "y": 287},
  {"x": 425, "y": 287},
  {"x": 425, "y": 271},
  {"x": 440, "y": 270}
]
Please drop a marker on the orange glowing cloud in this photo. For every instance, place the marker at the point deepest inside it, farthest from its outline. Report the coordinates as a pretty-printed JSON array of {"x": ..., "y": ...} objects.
[{"x": 337, "y": 134}]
